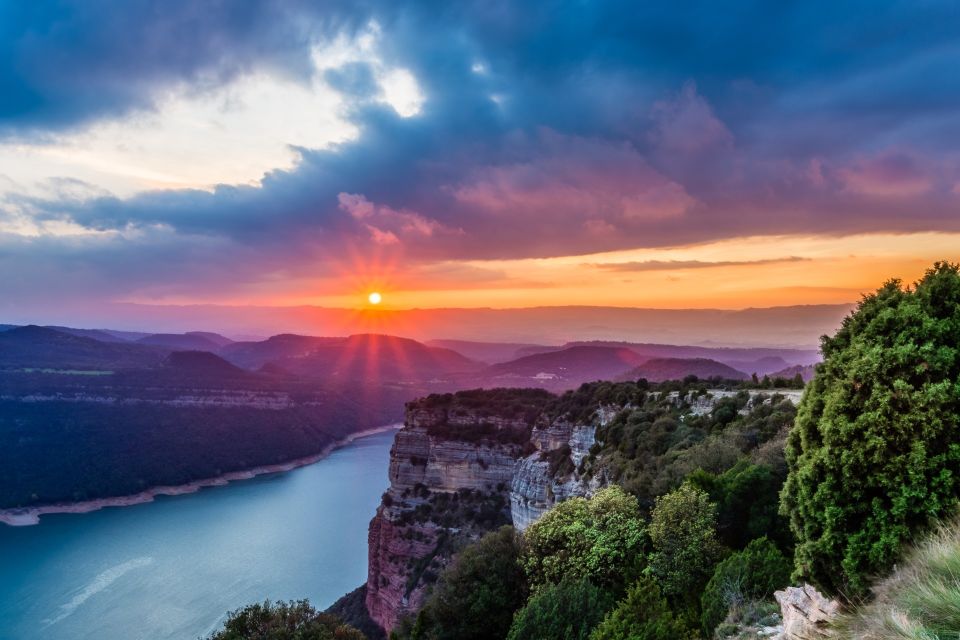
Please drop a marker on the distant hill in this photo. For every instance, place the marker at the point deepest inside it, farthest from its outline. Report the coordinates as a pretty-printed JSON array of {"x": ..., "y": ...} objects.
[
  {"x": 128, "y": 336},
  {"x": 564, "y": 368},
  {"x": 96, "y": 334},
  {"x": 253, "y": 355},
  {"x": 759, "y": 359},
  {"x": 534, "y": 349},
  {"x": 806, "y": 372},
  {"x": 182, "y": 341},
  {"x": 216, "y": 338},
  {"x": 43, "y": 348},
  {"x": 660, "y": 369},
  {"x": 761, "y": 366},
  {"x": 202, "y": 364},
  {"x": 489, "y": 352},
  {"x": 795, "y": 326},
  {"x": 374, "y": 358},
  {"x": 273, "y": 369}
]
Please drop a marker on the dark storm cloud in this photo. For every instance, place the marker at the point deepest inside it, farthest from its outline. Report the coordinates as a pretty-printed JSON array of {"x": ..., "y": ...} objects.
[
  {"x": 66, "y": 62},
  {"x": 547, "y": 128}
]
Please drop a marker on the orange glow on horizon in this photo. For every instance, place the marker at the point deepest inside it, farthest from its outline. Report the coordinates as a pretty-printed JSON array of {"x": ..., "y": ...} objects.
[{"x": 728, "y": 274}]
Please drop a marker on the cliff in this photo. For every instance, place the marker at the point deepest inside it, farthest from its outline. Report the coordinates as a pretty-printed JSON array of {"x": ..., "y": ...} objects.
[
  {"x": 469, "y": 462},
  {"x": 552, "y": 473},
  {"x": 451, "y": 468}
]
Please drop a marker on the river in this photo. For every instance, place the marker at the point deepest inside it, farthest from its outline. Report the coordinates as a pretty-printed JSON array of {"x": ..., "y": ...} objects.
[{"x": 171, "y": 569}]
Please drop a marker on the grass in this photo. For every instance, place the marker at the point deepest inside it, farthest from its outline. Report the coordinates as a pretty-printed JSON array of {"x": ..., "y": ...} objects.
[
  {"x": 920, "y": 600},
  {"x": 746, "y": 620}
]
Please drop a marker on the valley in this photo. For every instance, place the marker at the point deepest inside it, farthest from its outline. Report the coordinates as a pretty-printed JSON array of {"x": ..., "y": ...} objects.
[{"x": 97, "y": 414}]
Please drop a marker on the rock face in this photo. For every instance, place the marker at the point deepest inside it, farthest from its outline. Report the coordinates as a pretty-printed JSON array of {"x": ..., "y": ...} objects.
[
  {"x": 451, "y": 469},
  {"x": 551, "y": 474},
  {"x": 806, "y": 613},
  {"x": 465, "y": 464},
  {"x": 701, "y": 405}
]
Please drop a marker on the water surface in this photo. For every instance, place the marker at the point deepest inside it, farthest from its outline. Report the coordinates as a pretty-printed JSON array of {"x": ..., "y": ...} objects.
[{"x": 170, "y": 569}]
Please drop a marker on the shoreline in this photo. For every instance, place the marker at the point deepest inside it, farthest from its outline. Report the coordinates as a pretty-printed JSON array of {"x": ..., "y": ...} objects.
[{"x": 29, "y": 516}]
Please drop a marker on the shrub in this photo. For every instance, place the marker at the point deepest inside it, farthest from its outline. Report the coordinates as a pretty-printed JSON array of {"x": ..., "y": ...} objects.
[
  {"x": 601, "y": 539},
  {"x": 565, "y": 611},
  {"x": 747, "y": 498},
  {"x": 920, "y": 600},
  {"x": 874, "y": 454},
  {"x": 684, "y": 539},
  {"x": 476, "y": 596},
  {"x": 284, "y": 621},
  {"x": 642, "y": 615},
  {"x": 749, "y": 575}
]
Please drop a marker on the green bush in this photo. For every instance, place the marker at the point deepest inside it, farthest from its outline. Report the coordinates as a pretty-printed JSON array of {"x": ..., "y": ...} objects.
[
  {"x": 601, "y": 539},
  {"x": 284, "y": 621},
  {"x": 643, "y": 615},
  {"x": 748, "y": 499},
  {"x": 748, "y": 575},
  {"x": 476, "y": 596},
  {"x": 684, "y": 539},
  {"x": 565, "y": 611},
  {"x": 918, "y": 601},
  {"x": 653, "y": 445},
  {"x": 875, "y": 452}
]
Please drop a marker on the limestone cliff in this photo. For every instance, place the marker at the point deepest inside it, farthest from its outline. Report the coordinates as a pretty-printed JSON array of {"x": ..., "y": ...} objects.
[
  {"x": 451, "y": 469},
  {"x": 469, "y": 462},
  {"x": 551, "y": 474}
]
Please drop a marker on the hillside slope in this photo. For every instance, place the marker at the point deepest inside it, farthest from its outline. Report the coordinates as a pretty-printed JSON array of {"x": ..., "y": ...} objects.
[
  {"x": 660, "y": 369},
  {"x": 36, "y": 347}
]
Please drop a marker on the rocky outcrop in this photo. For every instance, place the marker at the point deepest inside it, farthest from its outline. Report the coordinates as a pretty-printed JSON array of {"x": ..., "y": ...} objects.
[
  {"x": 395, "y": 551},
  {"x": 447, "y": 464},
  {"x": 701, "y": 404},
  {"x": 806, "y": 613},
  {"x": 465, "y": 464},
  {"x": 451, "y": 469},
  {"x": 552, "y": 473}
]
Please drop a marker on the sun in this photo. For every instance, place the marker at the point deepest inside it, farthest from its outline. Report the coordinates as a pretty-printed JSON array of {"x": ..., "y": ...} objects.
[{"x": 374, "y": 297}]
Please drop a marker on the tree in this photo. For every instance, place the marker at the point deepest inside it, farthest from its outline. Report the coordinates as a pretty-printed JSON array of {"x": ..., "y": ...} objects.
[
  {"x": 601, "y": 539},
  {"x": 643, "y": 615},
  {"x": 752, "y": 574},
  {"x": 476, "y": 596},
  {"x": 874, "y": 454},
  {"x": 684, "y": 539},
  {"x": 294, "y": 620},
  {"x": 748, "y": 499},
  {"x": 565, "y": 611}
]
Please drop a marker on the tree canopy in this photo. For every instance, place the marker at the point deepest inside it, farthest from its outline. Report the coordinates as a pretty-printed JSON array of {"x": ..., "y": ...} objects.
[
  {"x": 874, "y": 454},
  {"x": 684, "y": 538},
  {"x": 565, "y": 611},
  {"x": 294, "y": 620},
  {"x": 476, "y": 596},
  {"x": 643, "y": 615},
  {"x": 599, "y": 538}
]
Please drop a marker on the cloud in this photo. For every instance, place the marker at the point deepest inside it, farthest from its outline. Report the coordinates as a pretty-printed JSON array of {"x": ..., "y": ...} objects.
[
  {"x": 890, "y": 174},
  {"x": 472, "y": 131},
  {"x": 388, "y": 226},
  {"x": 687, "y": 124},
  {"x": 683, "y": 265},
  {"x": 72, "y": 62}
]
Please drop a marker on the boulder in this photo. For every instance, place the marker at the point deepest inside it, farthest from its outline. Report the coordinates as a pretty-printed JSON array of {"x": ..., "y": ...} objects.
[{"x": 806, "y": 613}]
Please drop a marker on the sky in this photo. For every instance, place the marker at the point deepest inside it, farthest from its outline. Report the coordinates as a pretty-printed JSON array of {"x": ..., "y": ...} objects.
[{"x": 474, "y": 154}]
